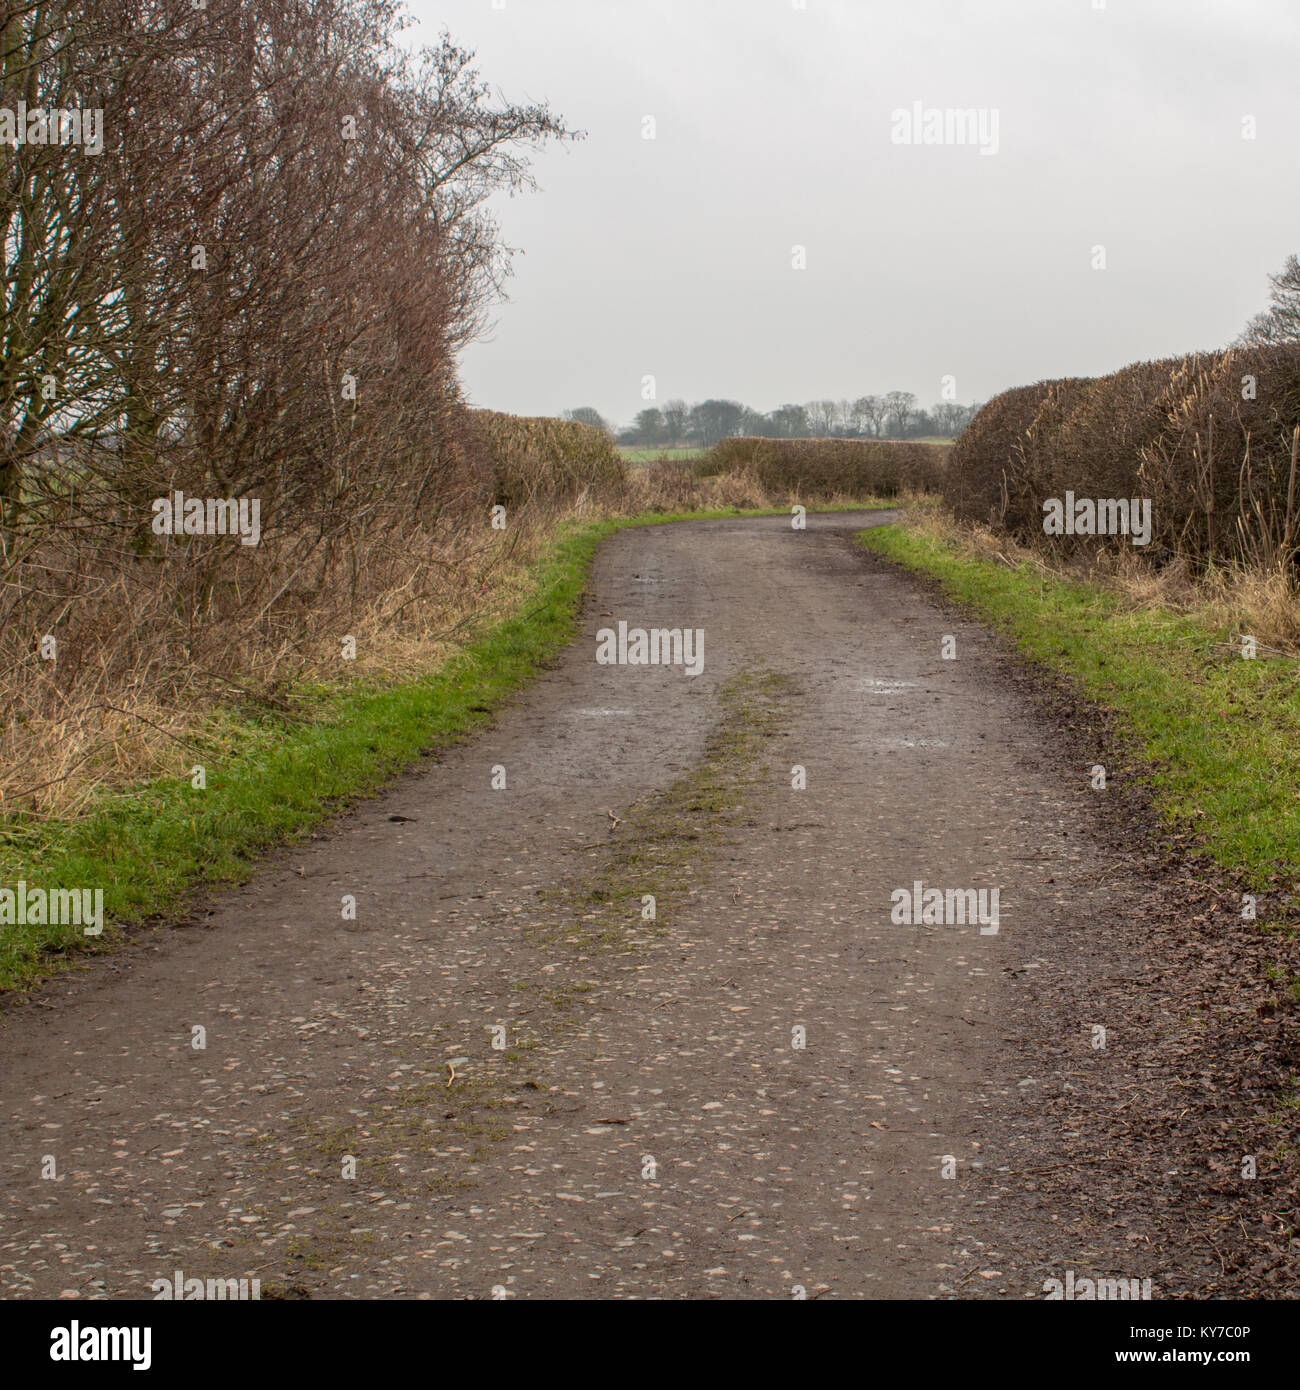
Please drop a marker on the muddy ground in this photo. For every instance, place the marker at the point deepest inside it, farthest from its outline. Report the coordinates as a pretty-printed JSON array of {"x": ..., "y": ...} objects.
[{"x": 648, "y": 1124}]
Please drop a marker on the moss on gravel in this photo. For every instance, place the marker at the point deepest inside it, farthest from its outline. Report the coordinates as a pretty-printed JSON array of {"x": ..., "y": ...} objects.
[{"x": 663, "y": 845}]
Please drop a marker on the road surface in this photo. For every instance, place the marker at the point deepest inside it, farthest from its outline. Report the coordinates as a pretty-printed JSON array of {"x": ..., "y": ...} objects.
[{"x": 772, "y": 1088}]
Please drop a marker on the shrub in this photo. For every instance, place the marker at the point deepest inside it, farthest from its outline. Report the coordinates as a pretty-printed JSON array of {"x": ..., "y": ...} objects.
[
  {"x": 815, "y": 469},
  {"x": 535, "y": 458},
  {"x": 1210, "y": 438},
  {"x": 1219, "y": 468},
  {"x": 990, "y": 450}
]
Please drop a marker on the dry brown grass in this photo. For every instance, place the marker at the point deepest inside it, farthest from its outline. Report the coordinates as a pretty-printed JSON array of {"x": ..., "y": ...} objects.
[
  {"x": 156, "y": 636},
  {"x": 666, "y": 486},
  {"x": 1264, "y": 602},
  {"x": 155, "y": 646},
  {"x": 151, "y": 649}
]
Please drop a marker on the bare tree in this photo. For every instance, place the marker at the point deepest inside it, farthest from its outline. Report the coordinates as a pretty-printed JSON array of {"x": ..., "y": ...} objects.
[
  {"x": 950, "y": 418},
  {"x": 870, "y": 411},
  {"x": 588, "y": 415},
  {"x": 790, "y": 421},
  {"x": 1280, "y": 322},
  {"x": 900, "y": 406},
  {"x": 821, "y": 417},
  {"x": 271, "y": 263},
  {"x": 676, "y": 414}
]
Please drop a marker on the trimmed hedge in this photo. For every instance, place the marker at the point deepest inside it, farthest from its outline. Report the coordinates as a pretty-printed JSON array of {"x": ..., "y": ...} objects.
[
  {"x": 536, "y": 458},
  {"x": 825, "y": 468},
  {"x": 1209, "y": 438}
]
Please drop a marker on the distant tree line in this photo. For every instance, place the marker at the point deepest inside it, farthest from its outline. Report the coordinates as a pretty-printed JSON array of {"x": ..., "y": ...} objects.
[{"x": 894, "y": 415}]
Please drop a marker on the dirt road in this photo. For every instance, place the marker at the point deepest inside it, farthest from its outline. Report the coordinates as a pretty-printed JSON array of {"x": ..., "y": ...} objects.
[{"x": 649, "y": 1123}]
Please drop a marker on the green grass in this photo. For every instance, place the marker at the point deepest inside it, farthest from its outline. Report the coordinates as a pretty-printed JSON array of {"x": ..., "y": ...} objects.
[
  {"x": 1222, "y": 733},
  {"x": 632, "y": 453},
  {"x": 271, "y": 778}
]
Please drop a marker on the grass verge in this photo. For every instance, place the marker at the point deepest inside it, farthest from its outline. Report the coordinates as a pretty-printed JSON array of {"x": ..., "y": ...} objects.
[{"x": 1218, "y": 730}]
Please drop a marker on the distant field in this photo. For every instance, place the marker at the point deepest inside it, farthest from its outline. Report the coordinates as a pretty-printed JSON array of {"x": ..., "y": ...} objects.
[{"x": 631, "y": 453}]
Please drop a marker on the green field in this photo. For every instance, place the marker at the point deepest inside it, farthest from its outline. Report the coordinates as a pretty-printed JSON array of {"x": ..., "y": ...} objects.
[{"x": 631, "y": 453}]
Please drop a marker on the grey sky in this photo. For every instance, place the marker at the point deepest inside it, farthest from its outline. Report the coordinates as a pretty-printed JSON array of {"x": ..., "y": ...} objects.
[{"x": 672, "y": 257}]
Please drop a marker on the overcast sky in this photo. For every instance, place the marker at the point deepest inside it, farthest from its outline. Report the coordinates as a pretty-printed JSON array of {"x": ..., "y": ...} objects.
[{"x": 1119, "y": 127}]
